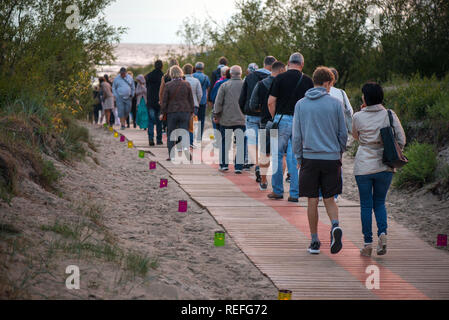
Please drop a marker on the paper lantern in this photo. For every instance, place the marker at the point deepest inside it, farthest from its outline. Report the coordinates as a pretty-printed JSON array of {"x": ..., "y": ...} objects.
[
  {"x": 219, "y": 240},
  {"x": 141, "y": 154},
  {"x": 152, "y": 165},
  {"x": 182, "y": 206},
  {"x": 111, "y": 129},
  {"x": 285, "y": 295},
  {"x": 105, "y": 126},
  {"x": 122, "y": 138},
  {"x": 115, "y": 134},
  {"x": 442, "y": 240},
  {"x": 130, "y": 144},
  {"x": 212, "y": 137},
  {"x": 163, "y": 183}
]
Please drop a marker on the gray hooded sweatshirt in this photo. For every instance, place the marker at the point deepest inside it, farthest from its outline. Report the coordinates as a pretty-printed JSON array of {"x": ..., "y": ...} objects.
[{"x": 319, "y": 129}]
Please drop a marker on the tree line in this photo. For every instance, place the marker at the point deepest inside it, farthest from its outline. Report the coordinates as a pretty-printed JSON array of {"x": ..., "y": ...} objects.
[{"x": 372, "y": 39}]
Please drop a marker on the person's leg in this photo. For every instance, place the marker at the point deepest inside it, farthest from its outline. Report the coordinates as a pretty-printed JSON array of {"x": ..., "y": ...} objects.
[
  {"x": 312, "y": 214},
  {"x": 108, "y": 116},
  {"x": 157, "y": 113},
  {"x": 292, "y": 166},
  {"x": 223, "y": 148},
  {"x": 381, "y": 184},
  {"x": 171, "y": 125},
  {"x": 151, "y": 122},
  {"x": 239, "y": 132},
  {"x": 201, "y": 119},
  {"x": 277, "y": 180},
  {"x": 365, "y": 186}
]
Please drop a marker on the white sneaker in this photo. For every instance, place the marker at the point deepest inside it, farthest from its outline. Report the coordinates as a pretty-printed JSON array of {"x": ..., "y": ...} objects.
[{"x": 382, "y": 245}]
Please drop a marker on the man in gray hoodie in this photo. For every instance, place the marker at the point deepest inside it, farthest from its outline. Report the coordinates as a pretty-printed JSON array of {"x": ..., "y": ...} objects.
[{"x": 319, "y": 140}]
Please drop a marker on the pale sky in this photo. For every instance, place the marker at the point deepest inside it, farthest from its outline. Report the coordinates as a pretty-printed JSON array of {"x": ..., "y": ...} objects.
[{"x": 157, "y": 21}]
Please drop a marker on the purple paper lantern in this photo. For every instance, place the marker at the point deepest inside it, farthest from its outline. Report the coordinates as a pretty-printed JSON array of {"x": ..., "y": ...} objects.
[{"x": 182, "y": 206}]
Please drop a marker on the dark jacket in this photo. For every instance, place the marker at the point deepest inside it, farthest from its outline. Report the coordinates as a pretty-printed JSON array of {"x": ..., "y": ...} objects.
[
  {"x": 259, "y": 100},
  {"x": 177, "y": 97},
  {"x": 153, "y": 80},
  {"x": 215, "y": 76},
  {"x": 248, "y": 87}
]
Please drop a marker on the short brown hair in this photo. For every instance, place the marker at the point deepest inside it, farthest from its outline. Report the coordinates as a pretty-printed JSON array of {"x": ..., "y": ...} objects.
[
  {"x": 277, "y": 66},
  {"x": 223, "y": 61},
  {"x": 176, "y": 72},
  {"x": 322, "y": 75},
  {"x": 188, "y": 68}
]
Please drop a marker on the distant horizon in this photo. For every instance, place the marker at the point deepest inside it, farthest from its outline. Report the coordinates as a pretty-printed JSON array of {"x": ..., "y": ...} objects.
[{"x": 155, "y": 21}]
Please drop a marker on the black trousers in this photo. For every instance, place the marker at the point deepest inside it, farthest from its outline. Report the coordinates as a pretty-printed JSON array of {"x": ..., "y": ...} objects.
[{"x": 178, "y": 120}]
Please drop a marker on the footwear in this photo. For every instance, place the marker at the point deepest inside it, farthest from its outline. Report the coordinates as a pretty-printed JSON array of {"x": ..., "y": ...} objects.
[
  {"x": 382, "y": 245},
  {"x": 151, "y": 143},
  {"x": 159, "y": 143},
  {"x": 223, "y": 169},
  {"x": 247, "y": 167},
  {"x": 314, "y": 247},
  {"x": 288, "y": 178},
  {"x": 123, "y": 128},
  {"x": 258, "y": 176},
  {"x": 291, "y": 199},
  {"x": 238, "y": 171},
  {"x": 336, "y": 244},
  {"x": 263, "y": 186},
  {"x": 274, "y": 196},
  {"x": 366, "y": 250},
  {"x": 135, "y": 125}
]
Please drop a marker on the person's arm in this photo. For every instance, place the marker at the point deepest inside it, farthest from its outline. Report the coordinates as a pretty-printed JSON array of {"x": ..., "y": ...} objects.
[
  {"x": 400, "y": 134},
  {"x": 199, "y": 92},
  {"x": 355, "y": 131},
  {"x": 190, "y": 98},
  {"x": 272, "y": 105},
  {"x": 164, "y": 102},
  {"x": 297, "y": 135},
  {"x": 342, "y": 130},
  {"x": 133, "y": 87},
  {"x": 114, "y": 90},
  {"x": 242, "y": 98},
  {"x": 161, "y": 90},
  {"x": 348, "y": 104},
  {"x": 219, "y": 101}
]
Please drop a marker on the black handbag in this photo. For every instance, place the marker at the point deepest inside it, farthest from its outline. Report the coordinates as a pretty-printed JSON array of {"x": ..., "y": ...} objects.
[{"x": 393, "y": 156}]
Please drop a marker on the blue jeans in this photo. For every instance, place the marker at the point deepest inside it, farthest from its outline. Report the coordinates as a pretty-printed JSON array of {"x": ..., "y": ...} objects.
[
  {"x": 226, "y": 141},
  {"x": 153, "y": 119},
  {"x": 284, "y": 140},
  {"x": 373, "y": 189}
]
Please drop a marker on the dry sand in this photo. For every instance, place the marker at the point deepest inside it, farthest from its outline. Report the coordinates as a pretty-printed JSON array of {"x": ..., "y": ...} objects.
[{"x": 137, "y": 216}]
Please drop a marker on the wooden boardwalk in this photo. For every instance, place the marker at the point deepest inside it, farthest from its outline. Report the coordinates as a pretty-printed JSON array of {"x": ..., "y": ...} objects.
[{"x": 275, "y": 236}]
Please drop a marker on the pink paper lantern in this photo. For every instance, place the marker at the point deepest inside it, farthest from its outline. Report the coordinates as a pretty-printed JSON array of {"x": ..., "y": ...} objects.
[
  {"x": 442, "y": 240},
  {"x": 152, "y": 165},
  {"x": 163, "y": 184},
  {"x": 122, "y": 138},
  {"x": 182, "y": 206}
]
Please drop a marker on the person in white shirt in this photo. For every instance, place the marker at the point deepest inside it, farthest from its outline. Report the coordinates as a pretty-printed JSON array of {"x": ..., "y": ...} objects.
[{"x": 341, "y": 95}]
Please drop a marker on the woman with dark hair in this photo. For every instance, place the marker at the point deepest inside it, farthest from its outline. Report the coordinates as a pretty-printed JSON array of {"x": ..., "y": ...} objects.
[{"x": 372, "y": 175}]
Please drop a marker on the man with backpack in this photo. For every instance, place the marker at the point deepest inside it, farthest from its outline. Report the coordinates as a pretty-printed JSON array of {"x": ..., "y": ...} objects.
[
  {"x": 205, "y": 85},
  {"x": 259, "y": 103},
  {"x": 287, "y": 89},
  {"x": 253, "y": 117}
]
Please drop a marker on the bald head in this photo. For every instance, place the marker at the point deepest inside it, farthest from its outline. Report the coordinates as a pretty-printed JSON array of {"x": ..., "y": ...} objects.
[{"x": 236, "y": 71}]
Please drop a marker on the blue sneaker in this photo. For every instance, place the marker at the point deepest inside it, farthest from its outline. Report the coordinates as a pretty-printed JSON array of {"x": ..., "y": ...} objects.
[
  {"x": 336, "y": 236},
  {"x": 314, "y": 247}
]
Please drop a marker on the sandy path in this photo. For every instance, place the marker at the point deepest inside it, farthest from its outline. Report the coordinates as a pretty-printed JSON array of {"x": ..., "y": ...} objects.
[{"x": 139, "y": 216}]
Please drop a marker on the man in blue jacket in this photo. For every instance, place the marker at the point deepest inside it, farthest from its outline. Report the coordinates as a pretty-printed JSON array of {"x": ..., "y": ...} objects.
[
  {"x": 123, "y": 89},
  {"x": 319, "y": 140}
]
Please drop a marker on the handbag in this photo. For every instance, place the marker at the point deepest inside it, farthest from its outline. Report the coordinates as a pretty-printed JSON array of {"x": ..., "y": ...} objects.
[{"x": 392, "y": 156}]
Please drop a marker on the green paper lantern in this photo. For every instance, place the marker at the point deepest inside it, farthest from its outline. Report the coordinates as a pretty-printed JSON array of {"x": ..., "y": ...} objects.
[{"x": 219, "y": 239}]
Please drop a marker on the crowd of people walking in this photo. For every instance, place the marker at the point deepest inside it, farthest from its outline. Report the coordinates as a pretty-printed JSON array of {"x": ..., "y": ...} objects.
[{"x": 279, "y": 116}]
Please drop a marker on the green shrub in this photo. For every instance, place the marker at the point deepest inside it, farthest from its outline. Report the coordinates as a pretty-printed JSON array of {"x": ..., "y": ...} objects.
[
  {"x": 421, "y": 167},
  {"x": 416, "y": 100}
]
